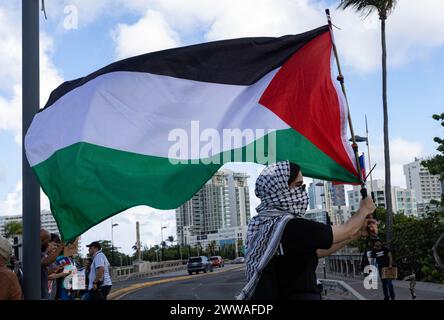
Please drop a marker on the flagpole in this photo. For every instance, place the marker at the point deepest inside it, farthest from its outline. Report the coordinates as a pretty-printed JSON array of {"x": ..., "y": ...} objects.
[
  {"x": 341, "y": 80},
  {"x": 31, "y": 188},
  {"x": 369, "y": 161}
]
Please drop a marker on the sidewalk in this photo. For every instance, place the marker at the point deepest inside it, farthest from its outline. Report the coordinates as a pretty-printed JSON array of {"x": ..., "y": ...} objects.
[{"x": 424, "y": 290}]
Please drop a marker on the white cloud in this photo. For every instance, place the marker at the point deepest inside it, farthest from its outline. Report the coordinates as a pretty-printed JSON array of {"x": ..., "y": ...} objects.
[
  {"x": 10, "y": 50},
  {"x": 12, "y": 203},
  {"x": 10, "y": 72},
  {"x": 11, "y": 113},
  {"x": 125, "y": 233},
  {"x": 401, "y": 152},
  {"x": 150, "y": 33},
  {"x": 358, "y": 41}
]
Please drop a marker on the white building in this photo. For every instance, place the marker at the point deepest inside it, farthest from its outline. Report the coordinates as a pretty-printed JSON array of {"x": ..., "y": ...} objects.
[
  {"x": 340, "y": 214},
  {"x": 318, "y": 215},
  {"x": 427, "y": 186},
  {"x": 46, "y": 221},
  {"x": 403, "y": 200},
  {"x": 314, "y": 193},
  {"x": 223, "y": 202},
  {"x": 222, "y": 237}
]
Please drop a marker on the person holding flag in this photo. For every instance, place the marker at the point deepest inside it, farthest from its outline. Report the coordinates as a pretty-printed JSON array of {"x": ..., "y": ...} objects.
[{"x": 282, "y": 247}]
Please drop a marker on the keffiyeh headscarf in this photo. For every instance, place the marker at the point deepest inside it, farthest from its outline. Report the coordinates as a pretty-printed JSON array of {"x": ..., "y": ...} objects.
[{"x": 279, "y": 204}]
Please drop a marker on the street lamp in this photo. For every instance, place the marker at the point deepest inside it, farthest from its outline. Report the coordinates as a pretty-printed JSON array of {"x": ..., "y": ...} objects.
[
  {"x": 161, "y": 242},
  {"x": 112, "y": 240}
]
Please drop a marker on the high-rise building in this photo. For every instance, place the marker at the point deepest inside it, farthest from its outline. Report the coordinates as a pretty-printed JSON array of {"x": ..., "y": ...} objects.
[
  {"x": 315, "y": 194},
  {"x": 427, "y": 186},
  {"x": 318, "y": 215},
  {"x": 403, "y": 200},
  {"x": 223, "y": 202},
  {"x": 339, "y": 214},
  {"x": 46, "y": 221},
  {"x": 337, "y": 194}
]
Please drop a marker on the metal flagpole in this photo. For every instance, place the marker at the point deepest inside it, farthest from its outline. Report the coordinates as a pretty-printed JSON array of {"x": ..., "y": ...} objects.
[
  {"x": 369, "y": 160},
  {"x": 31, "y": 188},
  {"x": 341, "y": 80}
]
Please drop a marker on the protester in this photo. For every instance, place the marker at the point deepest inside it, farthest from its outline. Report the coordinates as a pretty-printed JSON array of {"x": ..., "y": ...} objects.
[
  {"x": 383, "y": 258},
  {"x": 9, "y": 284},
  {"x": 46, "y": 260},
  {"x": 54, "y": 269},
  {"x": 99, "y": 284},
  {"x": 283, "y": 247}
]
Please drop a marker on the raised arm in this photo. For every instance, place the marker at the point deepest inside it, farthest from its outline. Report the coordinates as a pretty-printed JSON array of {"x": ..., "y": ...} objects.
[{"x": 349, "y": 230}]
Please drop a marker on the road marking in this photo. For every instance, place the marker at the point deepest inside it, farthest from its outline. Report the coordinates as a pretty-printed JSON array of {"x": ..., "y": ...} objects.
[{"x": 120, "y": 293}]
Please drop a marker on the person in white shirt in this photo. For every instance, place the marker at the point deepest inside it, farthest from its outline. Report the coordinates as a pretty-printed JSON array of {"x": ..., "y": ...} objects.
[{"x": 99, "y": 277}]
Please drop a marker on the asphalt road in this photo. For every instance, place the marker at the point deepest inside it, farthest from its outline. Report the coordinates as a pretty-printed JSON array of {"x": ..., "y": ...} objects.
[
  {"x": 225, "y": 283},
  {"x": 222, "y": 284}
]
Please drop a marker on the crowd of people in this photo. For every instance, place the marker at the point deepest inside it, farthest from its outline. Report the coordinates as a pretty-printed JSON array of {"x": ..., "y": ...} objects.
[{"x": 59, "y": 277}]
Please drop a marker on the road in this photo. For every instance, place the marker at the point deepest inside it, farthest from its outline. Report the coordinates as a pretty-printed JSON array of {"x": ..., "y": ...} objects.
[
  {"x": 222, "y": 284},
  {"x": 225, "y": 283}
]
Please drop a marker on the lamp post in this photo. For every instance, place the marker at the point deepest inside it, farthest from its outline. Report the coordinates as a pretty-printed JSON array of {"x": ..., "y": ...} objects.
[
  {"x": 161, "y": 242},
  {"x": 112, "y": 241}
]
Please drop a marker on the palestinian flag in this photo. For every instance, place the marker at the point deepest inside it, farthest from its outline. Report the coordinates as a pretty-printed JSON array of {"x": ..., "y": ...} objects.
[{"x": 112, "y": 140}]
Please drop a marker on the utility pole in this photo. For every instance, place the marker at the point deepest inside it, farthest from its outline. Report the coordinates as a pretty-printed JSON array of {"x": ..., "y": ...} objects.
[
  {"x": 30, "y": 186},
  {"x": 161, "y": 241},
  {"x": 112, "y": 241},
  {"x": 139, "y": 253}
]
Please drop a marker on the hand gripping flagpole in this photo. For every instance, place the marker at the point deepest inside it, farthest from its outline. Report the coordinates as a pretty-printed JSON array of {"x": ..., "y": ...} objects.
[{"x": 340, "y": 78}]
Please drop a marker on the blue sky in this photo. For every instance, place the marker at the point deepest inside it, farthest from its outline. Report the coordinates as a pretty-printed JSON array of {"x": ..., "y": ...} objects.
[{"x": 111, "y": 29}]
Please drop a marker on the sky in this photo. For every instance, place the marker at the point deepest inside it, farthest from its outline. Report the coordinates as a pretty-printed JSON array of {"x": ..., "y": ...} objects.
[{"x": 81, "y": 36}]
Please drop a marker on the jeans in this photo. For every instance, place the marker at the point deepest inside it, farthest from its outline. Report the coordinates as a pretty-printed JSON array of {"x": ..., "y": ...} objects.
[
  {"x": 92, "y": 295},
  {"x": 387, "y": 287}
]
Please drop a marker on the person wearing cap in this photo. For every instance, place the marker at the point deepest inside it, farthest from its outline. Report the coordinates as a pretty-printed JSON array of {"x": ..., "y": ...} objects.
[
  {"x": 282, "y": 247},
  {"x": 9, "y": 284},
  {"x": 100, "y": 283}
]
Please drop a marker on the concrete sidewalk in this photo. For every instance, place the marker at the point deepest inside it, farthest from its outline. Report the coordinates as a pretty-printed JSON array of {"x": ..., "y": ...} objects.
[{"x": 424, "y": 290}]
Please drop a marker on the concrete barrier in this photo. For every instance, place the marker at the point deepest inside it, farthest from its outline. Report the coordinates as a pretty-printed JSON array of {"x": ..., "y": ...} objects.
[
  {"x": 341, "y": 287},
  {"x": 145, "y": 269}
]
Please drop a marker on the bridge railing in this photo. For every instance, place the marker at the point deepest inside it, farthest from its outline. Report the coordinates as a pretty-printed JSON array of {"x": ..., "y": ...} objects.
[{"x": 145, "y": 269}]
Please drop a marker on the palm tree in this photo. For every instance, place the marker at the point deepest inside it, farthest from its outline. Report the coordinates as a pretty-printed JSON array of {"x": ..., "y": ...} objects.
[
  {"x": 171, "y": 240},
  {"x": 212, "y": 247},
  {"x": 13, "y": 228},
  {"x": 384, "y": 8}
]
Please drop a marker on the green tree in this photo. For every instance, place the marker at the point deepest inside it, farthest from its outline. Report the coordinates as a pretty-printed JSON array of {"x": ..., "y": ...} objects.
[
  {"x": 435, "y": 165},
  {"x": 412, "y": 246},
  {"x": 240, "y": 247},
  {"x": 171, "y": 240},
  {"x": 13, "y": 228},
  {"x": 384, "y": 8},
  {"x": 212, "y": 248}
]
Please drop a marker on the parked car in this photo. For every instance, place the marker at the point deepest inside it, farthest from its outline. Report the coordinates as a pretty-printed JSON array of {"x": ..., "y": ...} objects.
[
  {"x": 239, "y": 260},
  {"x": 217, "y": 261},
  {"x": 201, "y": 263}
]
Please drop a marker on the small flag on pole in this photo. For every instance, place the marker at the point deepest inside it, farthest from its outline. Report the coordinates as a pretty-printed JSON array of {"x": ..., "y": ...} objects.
[{"x": 362, "y": 164}]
